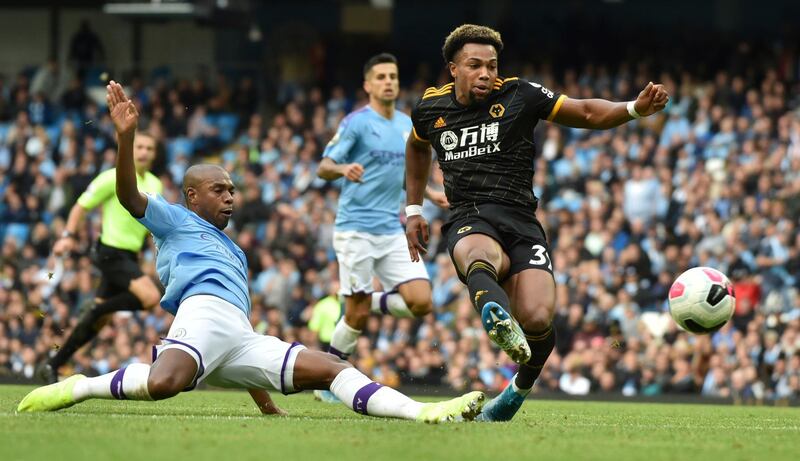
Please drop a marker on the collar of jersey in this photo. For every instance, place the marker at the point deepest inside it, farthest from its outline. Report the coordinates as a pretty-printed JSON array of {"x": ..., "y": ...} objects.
[
  {"x": 376, "y": 114},
  {"x": 473, "y": 106},
  {"x": 203, "y": 221}
]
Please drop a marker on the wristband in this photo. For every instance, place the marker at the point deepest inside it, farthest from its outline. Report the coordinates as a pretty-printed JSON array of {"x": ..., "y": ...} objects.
[
  {"x": 413, "y": 210},
  {"x": 67, "y": 234},
  {"x": 632, "y": 110}
]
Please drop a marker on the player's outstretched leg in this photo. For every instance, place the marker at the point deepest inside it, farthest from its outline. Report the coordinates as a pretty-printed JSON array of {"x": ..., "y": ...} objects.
[
  {"x": 88, "y": 325},
  {"x": 317, "y": 370},
  {"x": 170, "y": 374},
  {"x": 534, "y": 302},
  {"x": 126, "y": 383},
  {"x": 52, "y": 397}
]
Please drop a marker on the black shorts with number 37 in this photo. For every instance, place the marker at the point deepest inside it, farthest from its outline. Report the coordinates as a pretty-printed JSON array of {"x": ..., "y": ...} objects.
[{"x": 517, "y": 230}]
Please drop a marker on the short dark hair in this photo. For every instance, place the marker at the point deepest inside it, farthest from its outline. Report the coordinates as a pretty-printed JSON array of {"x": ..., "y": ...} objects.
[
  {"x": 147, "y": 134},
  {"x": 470, "y": 33},
  {"x": 379, "y": 59}
]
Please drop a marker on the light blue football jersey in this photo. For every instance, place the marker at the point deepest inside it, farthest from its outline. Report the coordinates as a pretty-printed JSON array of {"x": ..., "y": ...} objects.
[
  {"x": 379, "y": 144},
  {"x": 194, "y": 257}
]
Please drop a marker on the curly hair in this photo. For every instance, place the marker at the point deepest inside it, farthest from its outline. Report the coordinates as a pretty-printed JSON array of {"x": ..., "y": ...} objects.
[{"x": 470, "y": 33}]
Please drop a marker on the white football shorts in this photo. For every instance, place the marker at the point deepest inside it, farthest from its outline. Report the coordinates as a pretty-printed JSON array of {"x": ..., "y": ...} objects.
[
  {"x": 228, "y": 352},
  {"x": 362, "y": 255}
]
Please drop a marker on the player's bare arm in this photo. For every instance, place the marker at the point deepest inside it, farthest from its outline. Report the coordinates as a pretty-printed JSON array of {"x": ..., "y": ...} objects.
[
  {"x": 125, "y": 117},
  {"x": 265, "y": 404},
  {"x": 330, "y": 170},
  {"x": 601, "y": 114},
  {"x": 418, "y": 163}
]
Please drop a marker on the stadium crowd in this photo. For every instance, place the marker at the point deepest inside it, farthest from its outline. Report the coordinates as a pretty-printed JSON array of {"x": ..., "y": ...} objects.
[{"x": 713, "y": 181}]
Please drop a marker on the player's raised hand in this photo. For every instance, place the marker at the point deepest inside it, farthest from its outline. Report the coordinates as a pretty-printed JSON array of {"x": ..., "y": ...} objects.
[
  {"x": 353, "y": 172},
  {"x": 652, "y": 99},
  {"x": 123, "y": 110},
  {"x": 416, "y": 228}
]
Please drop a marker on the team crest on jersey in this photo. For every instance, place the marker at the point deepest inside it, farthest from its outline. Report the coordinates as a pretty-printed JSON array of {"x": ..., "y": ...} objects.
[
  {"x": 464, "y": 229},
  {"x": 440, "y": 123},
  {"x": 497, "y": 110},
  {"x": 449, "y": 140}
]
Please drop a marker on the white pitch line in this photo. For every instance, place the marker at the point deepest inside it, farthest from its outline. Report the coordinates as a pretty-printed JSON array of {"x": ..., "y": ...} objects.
[
  {"x": 134, "y": 415},
  {"x": 683, "y": 426},
  {"x": 197, "y": 417},
  {"x": 573, "y": 422}
]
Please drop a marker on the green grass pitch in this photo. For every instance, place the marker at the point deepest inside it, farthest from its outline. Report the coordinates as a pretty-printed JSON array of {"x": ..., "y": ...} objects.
[{"x": 225, "y": 426}]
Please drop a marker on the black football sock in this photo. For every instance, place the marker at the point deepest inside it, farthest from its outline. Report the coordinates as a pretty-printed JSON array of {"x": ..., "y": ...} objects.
[
  {"x": 87, "y": 325},
  {"x": 542, "y": 344},
  {"x": 483, "y": 286}
]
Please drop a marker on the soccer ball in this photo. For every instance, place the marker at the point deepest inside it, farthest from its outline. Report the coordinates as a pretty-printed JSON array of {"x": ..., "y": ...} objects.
[{"x": 701, "y": 300}]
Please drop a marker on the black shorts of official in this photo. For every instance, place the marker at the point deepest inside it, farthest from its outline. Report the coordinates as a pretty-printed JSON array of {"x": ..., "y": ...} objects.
[
  {"x": 517, "y": 230},
  {"x": 117, "y": 269}
]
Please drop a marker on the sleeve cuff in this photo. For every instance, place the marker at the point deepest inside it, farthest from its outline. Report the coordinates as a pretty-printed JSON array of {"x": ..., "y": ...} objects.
[
  {"x": 556, "y": 107},
  {"x": 416, "y": 136}
]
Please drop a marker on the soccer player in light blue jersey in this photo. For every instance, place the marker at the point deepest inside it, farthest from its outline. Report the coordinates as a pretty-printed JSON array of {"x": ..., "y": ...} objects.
[
  {"x": 368, "y": 151},
  {"x": 211, "y": 339}
]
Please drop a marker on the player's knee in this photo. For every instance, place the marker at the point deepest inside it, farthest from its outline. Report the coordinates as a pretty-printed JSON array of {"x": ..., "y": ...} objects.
[
  {"x": 332, "y": 370},
  {"x": 163, "y": 386},
  {"x": 358, "y": 308},
  {"x": 420, "y": 308},
  {"x": 536, "y": 319},
  {"x": 358, "y": 302},
  {"x": 357, "y": 319},
  {"x": 489, "y": 255}
]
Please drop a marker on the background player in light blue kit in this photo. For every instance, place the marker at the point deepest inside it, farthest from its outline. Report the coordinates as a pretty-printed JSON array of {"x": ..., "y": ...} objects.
[
  {"x": 368, "y": 150},
  {"x": 211, "y": 339}
]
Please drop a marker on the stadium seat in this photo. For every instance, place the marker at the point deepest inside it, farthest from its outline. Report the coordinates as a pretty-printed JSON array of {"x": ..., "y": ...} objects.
[
  {"x": 18, "y": 231},
  {"x": 227, "y": 123},
  {"x": 179, "y": 145},
  {"x": 53, "y": 132}
]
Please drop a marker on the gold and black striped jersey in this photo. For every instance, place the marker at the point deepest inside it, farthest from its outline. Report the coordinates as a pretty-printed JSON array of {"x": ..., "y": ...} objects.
[{"x": 486, "y": 149}]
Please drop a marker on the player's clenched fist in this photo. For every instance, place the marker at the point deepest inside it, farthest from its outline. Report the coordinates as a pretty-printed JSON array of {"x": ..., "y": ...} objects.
[
  {"x": 353, "y": 172},
  {"x": 653, "y": 98}
]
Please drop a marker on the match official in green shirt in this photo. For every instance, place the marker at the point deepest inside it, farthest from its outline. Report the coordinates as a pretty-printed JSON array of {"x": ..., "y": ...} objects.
[
  {"x": 123, "y": 285},
  {"x": 325, "y": 313}
]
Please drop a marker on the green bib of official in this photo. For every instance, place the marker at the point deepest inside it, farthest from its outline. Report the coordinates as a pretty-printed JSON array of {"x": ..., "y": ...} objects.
[{"x": 120, "y": 229}]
